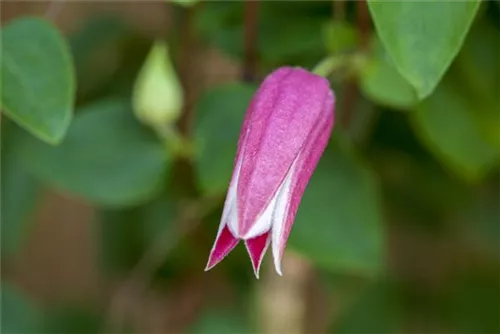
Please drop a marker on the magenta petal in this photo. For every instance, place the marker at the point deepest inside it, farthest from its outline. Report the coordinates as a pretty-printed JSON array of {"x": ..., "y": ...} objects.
[
  {"x": 224, "y": 243},
  {"x": 286, "y": 109},
  {"x": 285, "y": 131},
  {"x": 256, "y": 249}
]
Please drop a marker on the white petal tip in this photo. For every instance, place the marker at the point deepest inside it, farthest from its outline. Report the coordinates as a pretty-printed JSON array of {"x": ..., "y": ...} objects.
[{"x": 277, "y": 262}]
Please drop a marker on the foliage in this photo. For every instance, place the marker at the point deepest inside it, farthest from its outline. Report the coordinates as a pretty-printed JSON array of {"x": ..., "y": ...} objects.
[{"x": 414, "y": 156}]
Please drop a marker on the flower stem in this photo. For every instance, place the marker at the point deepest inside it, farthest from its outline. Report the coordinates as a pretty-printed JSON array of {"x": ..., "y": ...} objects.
[{"x": 330, "y": 64}]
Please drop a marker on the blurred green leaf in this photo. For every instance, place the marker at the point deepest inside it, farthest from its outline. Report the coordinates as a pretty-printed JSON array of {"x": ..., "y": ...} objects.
[
  {"x": 221, "y": 112},
  {"x": 426, "y": 203},
  {"x": 290, "y": 35},
  {"x": 107, "y": 157},
  {"x": 220, "y": 322},
  {"x": 472, "y": 302},
  {"x": 38, "y": 80},
  {"x": 338, "y": 225},
  {"x": 19, "y": 192},
  {"x": 339, "y": 36},
  {"x": 125, "y": 234},
  {"x": 446, "y": 124},
  {"x": 121, "y": 240},
  {"x": 157, "y": 216},
  {"x": 19, "y": 315},
  {"x": 381, "y": 82},
  {"x": 478, "y": 70},
  {"x": 375, "y": 312},
  {"x": 71, "y": 319},
  {"x": 423, "y": 37},
  {"x": 296, "y": 41},
  {"x": 220, "y": 23},
  {"x": 97, "y": 52}
]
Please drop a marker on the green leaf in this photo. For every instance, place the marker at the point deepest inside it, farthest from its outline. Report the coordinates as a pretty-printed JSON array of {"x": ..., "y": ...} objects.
[
  {"x": 220, "y": 322},
  {"x": 19, "y": 192},
  {"x": 125, "y": 234},
  {"x": 121, "y": 242},
  {"x": 19, "y": 315},
  {"x": 107, "y": 158},
  {"x": 72, "y": 319},
  {"x": 331, "y": 229},
  {"x": 478, "y": 68},
  {"x": 471, "y": 303},
  {"x": 423, "y": 37},
  {"x": 38, "y": 81},
  {"x": 445, "y": 122},
  {"x": 100, "y": 41},
  {"x": 291, "y": 41},
  {"x": 221, "y": 112},
  {"x": 382, "y": 83},
  {"x": 376, "y": 311},
  {"x": 289, "y": 34}
]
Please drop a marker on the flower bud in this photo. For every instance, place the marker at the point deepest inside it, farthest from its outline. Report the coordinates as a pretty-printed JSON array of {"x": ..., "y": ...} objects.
[
  {"x": 286, "y": 129},
  {"x": 158, "y": 96}
]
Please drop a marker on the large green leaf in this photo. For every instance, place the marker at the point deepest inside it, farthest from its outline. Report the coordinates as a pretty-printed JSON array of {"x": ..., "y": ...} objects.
[
  {"x": 382, "y": 82},
  {"x": 478, "y": 69},
  {"x": 37, "y": 78},
  {"x": 446, "y": 124},
  {"x": 220, "y": 322},
  {"x": 72, "y": 319},
  {"x": 19, "y": 315},
  {"x": 423, "y": 37},
  {"x": 18, "y": 194},
  {"x": 472, "y": 303},
  {"x": 107, "y": 157},
  {"x": 338, "y": 224},
  {"x": 221, "y": 113},
  {"x": 125, "y": 234},
  {"x": 290, "y": 34},
  {"x": 376, "y": 311}
]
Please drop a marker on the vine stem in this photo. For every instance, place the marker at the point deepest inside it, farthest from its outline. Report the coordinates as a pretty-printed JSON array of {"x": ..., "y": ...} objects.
[
  {"x": 282, "y": 301},
  {"x": 251, "y": 39},
  {"x": 122, "y": 302}
]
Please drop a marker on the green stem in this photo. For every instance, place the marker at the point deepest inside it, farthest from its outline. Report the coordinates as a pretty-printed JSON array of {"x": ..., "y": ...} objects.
[
  {"x": 330, "y": 64},
  {"x": 174, "y": 141},
  {"x": 350, "y": 62}
]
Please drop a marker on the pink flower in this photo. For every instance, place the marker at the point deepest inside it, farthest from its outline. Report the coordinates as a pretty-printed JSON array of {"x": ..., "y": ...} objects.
[{"x": 284, "y": 134}]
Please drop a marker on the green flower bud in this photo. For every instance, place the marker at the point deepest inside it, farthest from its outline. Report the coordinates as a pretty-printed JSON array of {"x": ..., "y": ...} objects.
[{"x": 158, "y": 96}]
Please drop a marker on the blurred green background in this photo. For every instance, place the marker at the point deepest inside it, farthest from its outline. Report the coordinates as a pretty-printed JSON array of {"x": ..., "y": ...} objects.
[{"x": 107, "y": 219}]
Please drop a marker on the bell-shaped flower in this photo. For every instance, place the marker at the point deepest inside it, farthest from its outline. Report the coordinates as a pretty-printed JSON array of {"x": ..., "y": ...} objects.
[{"x": 285, "y": 131}]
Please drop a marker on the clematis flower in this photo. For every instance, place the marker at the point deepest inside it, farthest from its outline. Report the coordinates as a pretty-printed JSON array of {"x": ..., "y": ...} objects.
[{"x": 285, "y": 131}]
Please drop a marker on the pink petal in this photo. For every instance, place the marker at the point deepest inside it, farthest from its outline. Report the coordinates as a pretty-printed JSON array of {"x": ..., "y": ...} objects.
[
  {"x": 283, "y": 113},
  {"x": 256, "y": 248},
  {"x": 302, "y": 171},
  {"x": 224, "y": 243}
]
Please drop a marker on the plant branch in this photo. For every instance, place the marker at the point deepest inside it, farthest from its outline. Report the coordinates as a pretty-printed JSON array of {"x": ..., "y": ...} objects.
[
  {"x": 138, "y": 279},
  {"x": 363, "y": 21},
  {"x": 282, "y": 302},
  {"x": 251, "y": 39}
]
